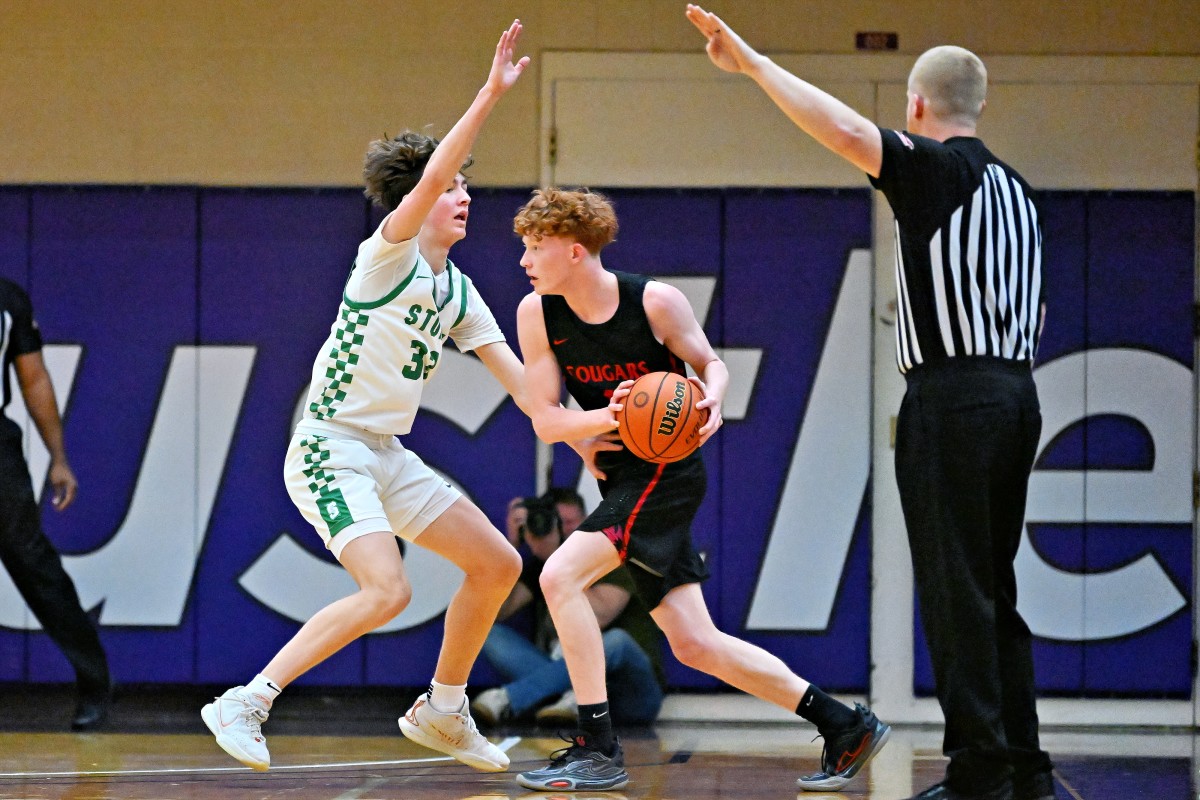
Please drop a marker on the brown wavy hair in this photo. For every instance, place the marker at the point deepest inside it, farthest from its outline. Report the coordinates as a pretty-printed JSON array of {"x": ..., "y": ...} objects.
[
  {"x": 392, "y": 167},
  {"x": 587, "y": 217}
]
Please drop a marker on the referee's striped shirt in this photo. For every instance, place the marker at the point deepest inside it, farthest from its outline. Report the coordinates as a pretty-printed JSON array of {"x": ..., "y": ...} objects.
[
  {"x": 19, "y": 333},
  {"x": 968, "y": 251}
]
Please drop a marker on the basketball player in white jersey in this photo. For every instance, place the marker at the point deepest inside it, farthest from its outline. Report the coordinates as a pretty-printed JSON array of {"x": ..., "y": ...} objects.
[{"x": 353, "y": 479}]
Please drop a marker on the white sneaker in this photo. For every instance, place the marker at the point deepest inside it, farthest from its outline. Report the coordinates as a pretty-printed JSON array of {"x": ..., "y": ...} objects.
[
  {"x": 563, "y": 711},
  {"x": 237, "y": 724},
  {"x": 453, "y": 733},
  {"x": 492, "y": 706}
]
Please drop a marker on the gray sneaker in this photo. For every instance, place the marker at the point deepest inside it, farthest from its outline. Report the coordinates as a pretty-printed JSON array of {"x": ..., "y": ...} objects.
[{"x": 579, "y": 767}]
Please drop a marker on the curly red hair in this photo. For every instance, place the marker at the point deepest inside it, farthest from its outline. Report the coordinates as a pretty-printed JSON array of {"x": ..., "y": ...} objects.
[{"x": 585, "y": 216}]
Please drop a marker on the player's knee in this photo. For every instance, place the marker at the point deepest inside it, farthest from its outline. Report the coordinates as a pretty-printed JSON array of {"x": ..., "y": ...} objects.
[
  {"x": 508, "y": 566},
  {"x": 388, "y": 601},
  {"x": 493, "y": 561},
  {"x": 557, "y": 584},
  {"x": 692, "y": 650}
]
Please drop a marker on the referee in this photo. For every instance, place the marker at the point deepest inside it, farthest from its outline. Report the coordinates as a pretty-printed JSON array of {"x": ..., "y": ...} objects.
[
  {"x": 31, "y": 560},
  {"x": 968, "y": 277}
]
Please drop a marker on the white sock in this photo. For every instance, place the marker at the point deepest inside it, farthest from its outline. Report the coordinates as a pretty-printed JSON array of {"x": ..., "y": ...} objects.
[
  {"x": 447, "y": 699},
  {"x": 262, "y": 691}
]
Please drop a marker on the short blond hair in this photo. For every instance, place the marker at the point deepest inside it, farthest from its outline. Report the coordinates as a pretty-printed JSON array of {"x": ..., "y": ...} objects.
[
  {"x": 585, "y": 216},
  {"x": 953, "y": 81}
]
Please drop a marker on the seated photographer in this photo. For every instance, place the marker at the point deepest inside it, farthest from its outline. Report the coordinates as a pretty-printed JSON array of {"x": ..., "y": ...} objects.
[
  {"x": 535, "y": 671},
  {"x": 514, "y": 521},
  {"x": 567, "y": 501}
]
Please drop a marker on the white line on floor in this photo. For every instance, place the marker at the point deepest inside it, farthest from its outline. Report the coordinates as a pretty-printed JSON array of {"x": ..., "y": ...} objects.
[{"x": 505, "y": 746}]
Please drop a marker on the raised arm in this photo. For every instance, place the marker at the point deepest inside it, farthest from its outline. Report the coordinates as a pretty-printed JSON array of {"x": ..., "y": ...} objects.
[
  {"x": 674, "y": 324},
  {"x": 543, "y": 384},
  {"x": 503, "y": 363},
  {"x": 405, "y": 222},
  {"x": 818, "y": 113},
  {"x": 38, "y": 392}
]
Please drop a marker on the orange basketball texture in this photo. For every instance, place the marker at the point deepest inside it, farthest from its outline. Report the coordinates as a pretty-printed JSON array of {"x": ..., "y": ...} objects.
[{"x": 659, "y": 421}]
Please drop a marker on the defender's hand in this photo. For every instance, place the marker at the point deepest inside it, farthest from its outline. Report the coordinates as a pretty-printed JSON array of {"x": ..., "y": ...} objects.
[{"x": 504, "y": 72}]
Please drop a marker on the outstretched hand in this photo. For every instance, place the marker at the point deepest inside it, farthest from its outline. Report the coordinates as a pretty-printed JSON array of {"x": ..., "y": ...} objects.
[
  {"x": 725, "y": 48},
  {"x": 504, "y": 72}
]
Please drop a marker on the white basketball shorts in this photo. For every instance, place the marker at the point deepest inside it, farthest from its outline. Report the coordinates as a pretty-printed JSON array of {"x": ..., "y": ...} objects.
[{"x": 349, "y": 482}]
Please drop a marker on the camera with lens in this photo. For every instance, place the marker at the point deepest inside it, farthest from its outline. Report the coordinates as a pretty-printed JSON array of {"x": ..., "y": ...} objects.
[{"x": 541, "y": 517}]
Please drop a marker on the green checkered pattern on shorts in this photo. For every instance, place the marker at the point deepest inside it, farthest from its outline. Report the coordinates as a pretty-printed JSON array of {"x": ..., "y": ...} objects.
[
  {"x": 319, "y": 479},
  {"x": 330, "y": 502}
]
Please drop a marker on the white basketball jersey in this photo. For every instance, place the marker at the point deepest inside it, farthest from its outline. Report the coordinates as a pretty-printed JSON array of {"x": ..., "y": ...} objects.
[{"x": 371, "y": 370}]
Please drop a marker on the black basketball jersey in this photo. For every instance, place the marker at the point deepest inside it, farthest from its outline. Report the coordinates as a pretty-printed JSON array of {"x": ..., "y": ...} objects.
[{"x": 595, "y": 358}]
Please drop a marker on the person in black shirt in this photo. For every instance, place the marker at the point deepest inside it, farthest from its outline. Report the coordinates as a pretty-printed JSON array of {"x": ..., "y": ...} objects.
[
  {"x": 596, "y": 331},
  {"x": 31, "y": 560},
  {"x": 969, "y": 310}
]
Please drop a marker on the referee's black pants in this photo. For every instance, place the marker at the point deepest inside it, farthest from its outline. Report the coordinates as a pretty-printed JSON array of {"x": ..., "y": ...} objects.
[
  {"x": 37, "y": 571},
  {"x": 966, "y": 439}
]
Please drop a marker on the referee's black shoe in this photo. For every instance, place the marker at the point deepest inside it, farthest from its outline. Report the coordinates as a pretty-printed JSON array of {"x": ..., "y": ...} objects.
[
  {"x": 941, "y": 791},
  {"x": 847, "y": 751},
  {"x": 91, "y": 712},
  {"x": 1038, "y": 786}
]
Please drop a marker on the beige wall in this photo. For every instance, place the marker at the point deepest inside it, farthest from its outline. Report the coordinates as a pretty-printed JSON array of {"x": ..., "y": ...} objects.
[{"x": 249, "y": 92}]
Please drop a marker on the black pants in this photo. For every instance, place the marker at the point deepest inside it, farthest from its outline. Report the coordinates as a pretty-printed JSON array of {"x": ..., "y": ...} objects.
[
  {"x": 966, "y": 439},
  {"x": 37, "y": 570}
]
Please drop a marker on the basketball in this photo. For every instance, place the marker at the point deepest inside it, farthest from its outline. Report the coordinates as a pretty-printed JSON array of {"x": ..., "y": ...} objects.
[{"x": 659, "y": 421}]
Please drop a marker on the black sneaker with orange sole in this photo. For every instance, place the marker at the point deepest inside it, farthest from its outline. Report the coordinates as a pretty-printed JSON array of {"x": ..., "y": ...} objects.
[{"x": 847, "y": 751}]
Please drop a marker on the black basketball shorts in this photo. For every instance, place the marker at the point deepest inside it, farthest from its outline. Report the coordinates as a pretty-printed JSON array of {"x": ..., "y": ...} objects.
[{"x": 647, "y": 514}]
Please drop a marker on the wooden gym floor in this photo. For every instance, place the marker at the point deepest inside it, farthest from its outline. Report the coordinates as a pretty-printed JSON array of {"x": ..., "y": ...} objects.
[{"x": 344, "y": 747}]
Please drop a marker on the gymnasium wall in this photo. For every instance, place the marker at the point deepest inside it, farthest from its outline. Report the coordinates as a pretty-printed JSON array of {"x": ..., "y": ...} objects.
[
  {"x": 243, "y": 93},
  {"x": 182, "y": 324}
]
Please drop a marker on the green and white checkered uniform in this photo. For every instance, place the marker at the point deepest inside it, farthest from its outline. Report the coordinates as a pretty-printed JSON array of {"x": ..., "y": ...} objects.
[
  {"x": 388, "y": 335},
  {"x": 345, "y": 468}
]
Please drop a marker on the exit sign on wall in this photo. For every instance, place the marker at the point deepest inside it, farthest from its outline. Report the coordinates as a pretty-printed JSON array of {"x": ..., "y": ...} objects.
[{"x": 876, "y": 40}]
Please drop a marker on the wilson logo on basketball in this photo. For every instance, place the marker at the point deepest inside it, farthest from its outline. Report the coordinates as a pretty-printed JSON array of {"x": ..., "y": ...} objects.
[
  {"x": 666, "y": 424},
  {"x": 659, "y": 422}
]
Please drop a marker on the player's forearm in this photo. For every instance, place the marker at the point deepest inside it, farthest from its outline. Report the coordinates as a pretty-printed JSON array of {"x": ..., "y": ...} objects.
[
  {"x": 715, "y": 376},
  {"x": 504, "y": 365},
  {"x": 43, "y": 410},
  {"x": 816, "y": 112},
  {"x": 443, "y": 165},
  {"x": 557, "y": 424},
  {"x": 461, "y": 138},
  {"x": 456, "y": 146}
]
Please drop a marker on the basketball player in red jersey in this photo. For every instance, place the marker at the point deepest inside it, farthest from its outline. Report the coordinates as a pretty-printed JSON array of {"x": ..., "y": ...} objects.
[{"x": 591, "y": 328}]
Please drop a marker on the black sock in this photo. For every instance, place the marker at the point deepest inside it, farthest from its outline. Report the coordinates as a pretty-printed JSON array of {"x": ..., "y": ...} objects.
[
  {"x": 596, "y": 724},
  {"x": 823, "y": 711}
]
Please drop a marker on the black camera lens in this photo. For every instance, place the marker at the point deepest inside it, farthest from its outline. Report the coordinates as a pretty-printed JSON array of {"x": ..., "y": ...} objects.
[{"x": 541, "y": 517}]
